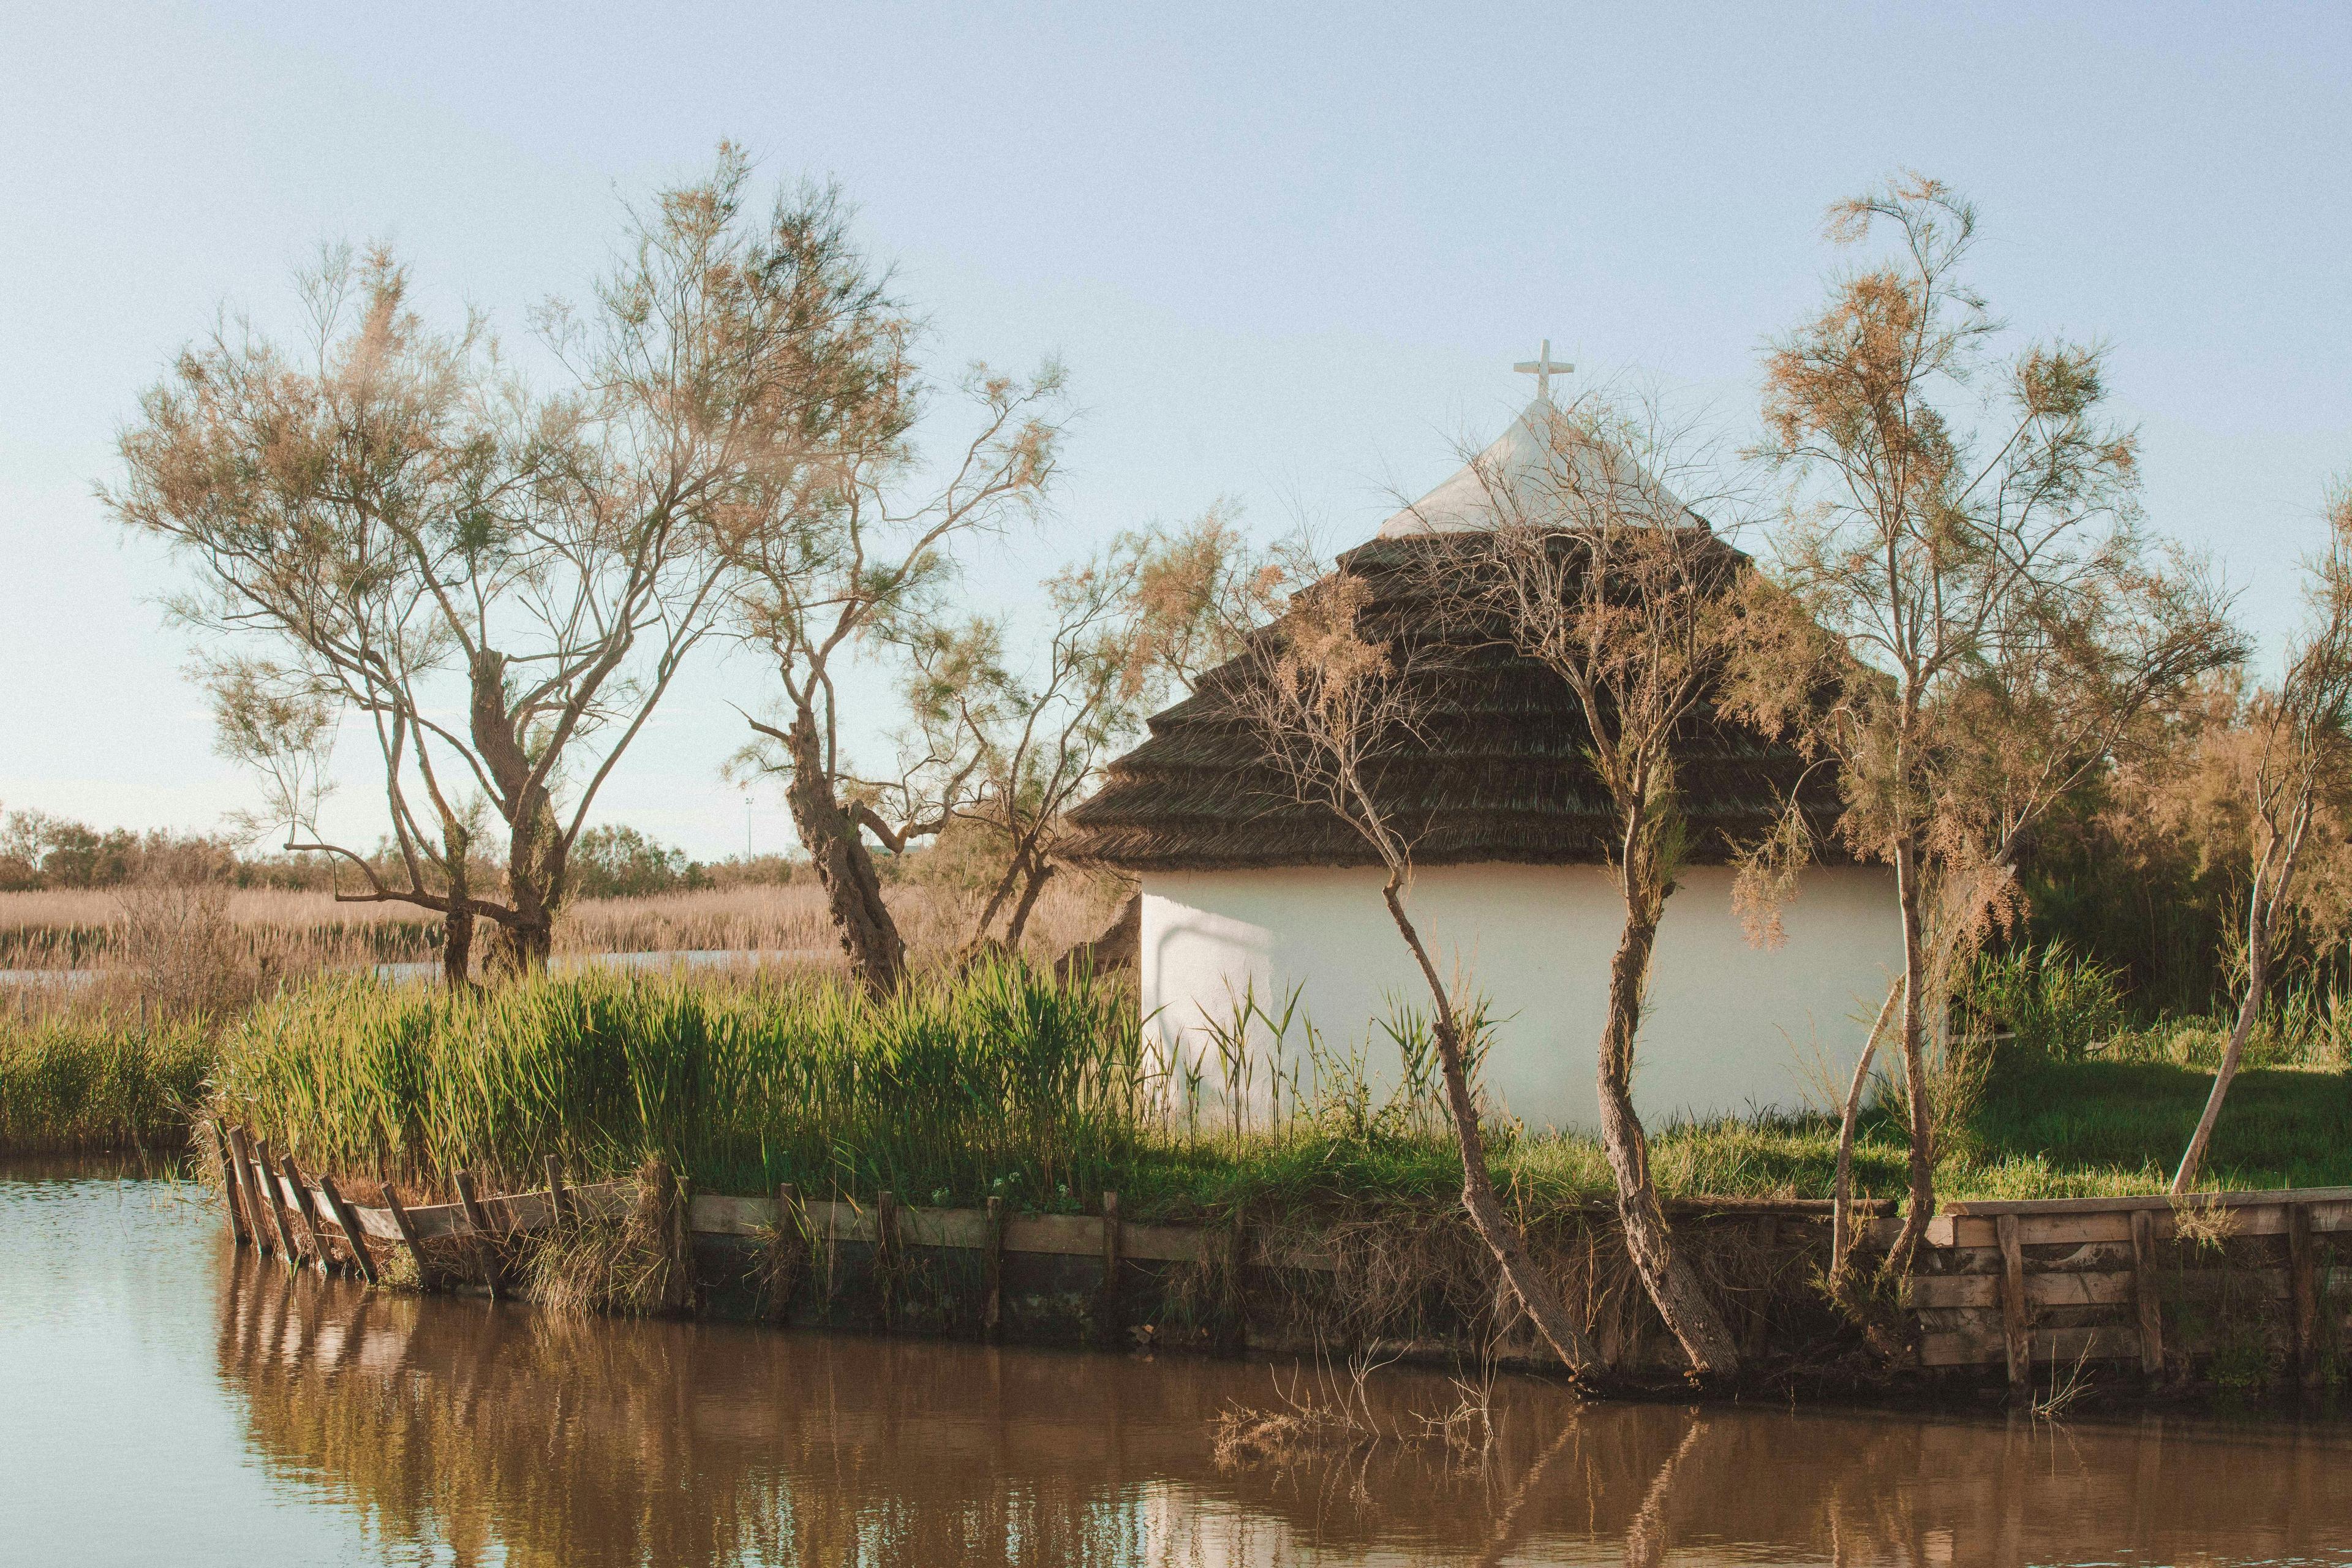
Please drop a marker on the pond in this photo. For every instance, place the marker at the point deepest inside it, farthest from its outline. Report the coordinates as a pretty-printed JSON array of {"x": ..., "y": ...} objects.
[{"x": 171, "y": 1400}]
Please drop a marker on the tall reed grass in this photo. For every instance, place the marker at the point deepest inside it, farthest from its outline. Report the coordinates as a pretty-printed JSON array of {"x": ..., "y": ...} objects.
[
  {"x": 998, "y": 1080},
  {"x": 69, "y": 1083}
]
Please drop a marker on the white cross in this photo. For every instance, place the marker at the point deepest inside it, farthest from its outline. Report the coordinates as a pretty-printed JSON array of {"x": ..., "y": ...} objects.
[{"x": 1543, "y": 367}]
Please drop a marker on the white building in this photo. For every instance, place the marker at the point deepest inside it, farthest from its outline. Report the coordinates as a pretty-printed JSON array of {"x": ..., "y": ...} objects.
[{"x": 1246, "y": 891}]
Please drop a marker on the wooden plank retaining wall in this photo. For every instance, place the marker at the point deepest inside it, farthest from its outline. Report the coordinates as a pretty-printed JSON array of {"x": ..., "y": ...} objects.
[
  {"x": 2011, "y": 1284},
  {"x": 2155, "y": 1281}
]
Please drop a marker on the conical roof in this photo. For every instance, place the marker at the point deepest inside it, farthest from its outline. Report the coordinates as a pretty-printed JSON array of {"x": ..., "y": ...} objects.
[
  {"x": 1546, "y": 469},
  {"x": 1496, "y": 765}
]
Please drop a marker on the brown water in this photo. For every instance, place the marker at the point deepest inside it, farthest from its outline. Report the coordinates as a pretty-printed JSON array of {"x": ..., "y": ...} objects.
[{"x": 164, "y": 1401}]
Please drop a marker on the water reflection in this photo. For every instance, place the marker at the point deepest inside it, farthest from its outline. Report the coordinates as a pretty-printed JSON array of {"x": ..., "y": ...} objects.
[{"x": 479, "y": 1432}]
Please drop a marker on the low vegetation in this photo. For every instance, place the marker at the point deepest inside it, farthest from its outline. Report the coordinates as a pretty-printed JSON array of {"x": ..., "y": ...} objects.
[
  {"x": 74, "y": 1084},
  {"x": 1003, "y": 1081}
]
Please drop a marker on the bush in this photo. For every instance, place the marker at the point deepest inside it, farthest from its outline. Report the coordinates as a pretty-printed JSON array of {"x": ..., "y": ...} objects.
[
  {"x": 2055, "y": 1002},
  {"x": 623, "y": 863}
]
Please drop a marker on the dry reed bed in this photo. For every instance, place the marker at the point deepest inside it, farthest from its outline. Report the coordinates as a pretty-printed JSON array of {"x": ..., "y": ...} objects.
[{"x": 284, "y": 933}]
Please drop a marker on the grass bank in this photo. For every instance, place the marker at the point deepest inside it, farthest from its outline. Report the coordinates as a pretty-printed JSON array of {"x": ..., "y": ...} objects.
[{"x": 1002, "y": 1082}]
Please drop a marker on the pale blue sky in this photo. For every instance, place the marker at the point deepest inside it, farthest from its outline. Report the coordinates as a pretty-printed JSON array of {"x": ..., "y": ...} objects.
[{"x": 1288, "y": 255}]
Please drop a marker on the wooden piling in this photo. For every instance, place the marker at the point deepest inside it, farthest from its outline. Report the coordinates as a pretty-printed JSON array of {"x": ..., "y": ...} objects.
[
  {"x": 309, "y": 1213},
  {"x": 229, "y": 1198},
  {"x": 681, "y": 1294},
  {"x": 2016, "y": 1327},
  {"x": 2303, "y": 1292},
  {"x": 478, "y": 1224},
  {"x": 792, "y": 1232},
  {"x": 408, "y": 1238},
  {"x": 832, "y": 1253},
  {"x": 256, "y": 1217},
  {"x": 992, "y": 1261},
  {"x": 2146, "y": 1294},
  {"x": 268, "y": 1175},
  {"x": 885, "y": 1255},
  {"x": 1107, "y": 1305},
  {"x": 349, "y": 1223}
]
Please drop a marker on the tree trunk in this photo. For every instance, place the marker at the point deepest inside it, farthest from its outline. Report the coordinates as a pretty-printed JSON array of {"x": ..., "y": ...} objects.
[
  {"x": 535, "y": 853},
  {"x": 1842, "y": 1186},
  {"x": 2258, "y": 974},
  {"x": 458, "y": 920},
  {"x": 1119, "y": 947},
  {"x": 456, "y": 946},
  {"x": 1486, "y": 1210},
  {"x": 1921, "y": 1207},
  {"x": 1667, "y": 1274},
  {"x": 844, "y": 866},
  {"x": 517, "y": 951},
  {"x": 1040, "y": 873}
]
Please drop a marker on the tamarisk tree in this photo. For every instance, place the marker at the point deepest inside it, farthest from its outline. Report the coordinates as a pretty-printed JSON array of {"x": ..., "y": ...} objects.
[
  {"x": 1015, "y": 742},
  {"x": 1965, "y": 617},
  {"x": 1331, "y": 702},
  {"x": 858, "y": 568},
  {"x": 1591, "y": 568},
  {"x": 2300, "y": 762},
  {"x": 500, "y": 585}
]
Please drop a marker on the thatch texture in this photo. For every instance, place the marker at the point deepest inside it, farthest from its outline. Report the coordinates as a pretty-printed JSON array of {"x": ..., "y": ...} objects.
[{"x": 1497, "y": 770}]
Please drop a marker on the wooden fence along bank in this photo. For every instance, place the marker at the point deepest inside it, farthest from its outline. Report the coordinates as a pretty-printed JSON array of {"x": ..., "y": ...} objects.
[{"x": 2235, "y": 1287}]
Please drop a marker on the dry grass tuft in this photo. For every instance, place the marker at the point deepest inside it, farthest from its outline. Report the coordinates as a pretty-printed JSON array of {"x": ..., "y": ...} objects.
[
  {"x": 631, "y": 1266},
  {"x": 2203, "y": 1223}
]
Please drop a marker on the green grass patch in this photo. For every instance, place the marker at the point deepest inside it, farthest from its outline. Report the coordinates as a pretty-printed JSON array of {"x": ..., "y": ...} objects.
[{"x": 1004, "y": 1082}]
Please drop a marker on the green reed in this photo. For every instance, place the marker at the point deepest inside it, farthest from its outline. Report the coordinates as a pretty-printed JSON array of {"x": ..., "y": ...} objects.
[
  {"x": 998, "y": 1079},
  {"x": 82, "y": 1082}
]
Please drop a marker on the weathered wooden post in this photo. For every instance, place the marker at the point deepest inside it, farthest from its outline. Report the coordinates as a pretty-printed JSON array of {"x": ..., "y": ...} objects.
[
  {"x": 268, "y": 1177},
  {"x": 1234, "y": 1339},
  {"x": 1106, "y": 1311},
  {"x": 349, "y": 1223},
  {"x": 408, "y": 1238},
  {"x": 478, "y": 1224},
  {"x": 993, "y": 1315},
  {"x": 792, "y": 1231},
  {"x": 681, "y": 1294},
  {"x": 229, "y": 1198},
  {"x": 2303, "y": 1291},
  {"x": 885, "y": 1255},
  {"x": 2016, "y": 1327},
  {"x": 309, "y": 1213},
  {"x": 241, "y": 1148},
  {"x": 2147, "y": 1295}
]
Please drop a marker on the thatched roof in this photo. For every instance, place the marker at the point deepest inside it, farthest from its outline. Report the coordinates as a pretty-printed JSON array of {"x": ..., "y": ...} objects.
[{"x": 1497, "y": 770}]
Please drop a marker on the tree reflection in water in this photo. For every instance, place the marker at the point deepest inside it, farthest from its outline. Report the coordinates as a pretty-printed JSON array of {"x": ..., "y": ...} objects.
[{"x": 482, "y": 1433}]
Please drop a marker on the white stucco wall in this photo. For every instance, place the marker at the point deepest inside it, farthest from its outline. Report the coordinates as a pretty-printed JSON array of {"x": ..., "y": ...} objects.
[{"x": 1730, "y": 1028}]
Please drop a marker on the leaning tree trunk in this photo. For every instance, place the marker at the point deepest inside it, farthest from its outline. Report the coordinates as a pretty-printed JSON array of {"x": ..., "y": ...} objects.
[
  {"x": 1040, "y": 873},
  {"x": 1502, "y": 1238},
  {"x": 1841, "y": 1230},
  {"x": 1665, "y": 1273},
  {"x": 843, "y": 868},
  {"x": 2259, "y": 904},
  {"x": 1921, "y": 1206}
]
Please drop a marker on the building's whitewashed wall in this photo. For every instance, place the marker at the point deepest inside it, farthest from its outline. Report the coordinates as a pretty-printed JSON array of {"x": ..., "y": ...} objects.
[{"x": 1732, "y": 1027}]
